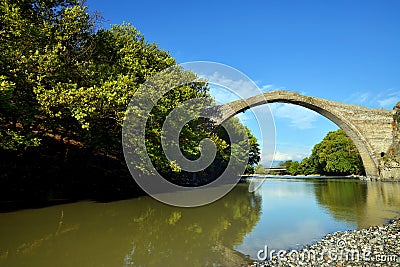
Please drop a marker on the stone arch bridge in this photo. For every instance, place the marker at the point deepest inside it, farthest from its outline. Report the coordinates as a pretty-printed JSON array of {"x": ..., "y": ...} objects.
[{"x": 370, "y": 129}]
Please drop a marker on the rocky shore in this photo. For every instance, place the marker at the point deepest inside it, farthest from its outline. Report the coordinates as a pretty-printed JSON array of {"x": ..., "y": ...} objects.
[{"x": 373, "y": 246}]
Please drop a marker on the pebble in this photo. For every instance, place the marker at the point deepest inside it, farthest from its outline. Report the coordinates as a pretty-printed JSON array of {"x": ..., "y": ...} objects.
[{"x": 373, "y": 246}]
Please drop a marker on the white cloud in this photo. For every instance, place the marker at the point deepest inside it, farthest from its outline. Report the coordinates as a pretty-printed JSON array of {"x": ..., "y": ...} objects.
[
  {"x": 389, "y": 102},
  {"x": 300, "y": 117},
  {"x": 267, "y": 87},
  {"x": 384, "y": 99},
  {"x": 222, "y": 95},
  {"x": 227, "y": 86},
  {"x": 285, "y": 151},
  {"x": 236, "y": 87},
  {"x": 270, "y": 87},
  {"x": 267, "y": 158},
  {"x": 363, "y": 97}
]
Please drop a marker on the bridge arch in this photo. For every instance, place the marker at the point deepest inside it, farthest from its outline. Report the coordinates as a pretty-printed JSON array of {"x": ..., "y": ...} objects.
[{"x": 369, "y": 129}]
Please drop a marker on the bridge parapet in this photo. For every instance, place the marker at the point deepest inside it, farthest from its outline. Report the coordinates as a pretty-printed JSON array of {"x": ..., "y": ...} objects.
[{"x": 369, "y": 128}]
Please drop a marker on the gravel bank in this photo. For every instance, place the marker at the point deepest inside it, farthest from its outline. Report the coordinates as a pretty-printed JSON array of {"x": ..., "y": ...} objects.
[{"x": 373, "y": 246}]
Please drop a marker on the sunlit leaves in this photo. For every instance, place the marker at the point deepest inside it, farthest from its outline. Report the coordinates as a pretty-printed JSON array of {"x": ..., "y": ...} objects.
[
  {"x": 336, "y": 154},
  {"x": 61, "y": 76}
]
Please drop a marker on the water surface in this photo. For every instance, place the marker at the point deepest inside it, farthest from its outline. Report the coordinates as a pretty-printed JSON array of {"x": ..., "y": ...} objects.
[{"x": 283, "y": 213}]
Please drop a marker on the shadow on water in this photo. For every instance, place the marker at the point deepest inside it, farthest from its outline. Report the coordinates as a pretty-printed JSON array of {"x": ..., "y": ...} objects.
[
  {"x": 136, "y": 232},
  {"x": 46, "y": 176}
]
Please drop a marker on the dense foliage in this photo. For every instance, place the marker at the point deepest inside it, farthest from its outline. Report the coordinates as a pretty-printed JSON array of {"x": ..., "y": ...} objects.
[
  {"x": 335, "y": 155},
  {"x": 63, "y": 78},
  {"x": 260, "y": 169}
]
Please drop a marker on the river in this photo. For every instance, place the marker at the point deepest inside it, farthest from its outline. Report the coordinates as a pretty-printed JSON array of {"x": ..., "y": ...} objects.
[{"x": 284, "y": 213}]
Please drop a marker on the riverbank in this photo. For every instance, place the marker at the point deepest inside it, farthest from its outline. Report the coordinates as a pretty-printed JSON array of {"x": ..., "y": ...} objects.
[
  {"x": 373, "y": 246},
  {"x": 62, "y": 172}
]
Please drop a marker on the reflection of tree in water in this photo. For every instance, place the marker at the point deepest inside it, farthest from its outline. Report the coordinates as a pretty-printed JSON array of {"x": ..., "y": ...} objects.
[
  {"x": 134, "y": 232},
  {"x": 344, "y": 199},
  {"x": 360, "y": 203},
  {"x": 203, "y": 236}
]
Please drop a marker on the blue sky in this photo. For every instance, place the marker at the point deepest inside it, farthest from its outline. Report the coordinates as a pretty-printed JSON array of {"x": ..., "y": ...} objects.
[{"x": 346, "y": 51}]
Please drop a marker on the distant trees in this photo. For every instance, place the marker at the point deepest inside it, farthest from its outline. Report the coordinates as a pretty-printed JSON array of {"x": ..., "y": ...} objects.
[
  {"x": 335, "y": 155},
  {"x": 259, "y": 169},
  {"x": 293, "y": 167}
]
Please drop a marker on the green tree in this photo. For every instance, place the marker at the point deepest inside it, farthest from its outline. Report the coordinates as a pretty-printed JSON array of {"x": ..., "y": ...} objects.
[
  {"x": 33, "y": 34},
  {"x": 337, "y": 155},
  {"x": 62, "y": 78},
  {"x": 254, "y": 153},
  {"x": 293, "y": 167},
  {"x": 334, "y": 155},
  {"x": 307, "y": 166},
  {"x": 260, "y": 169}
]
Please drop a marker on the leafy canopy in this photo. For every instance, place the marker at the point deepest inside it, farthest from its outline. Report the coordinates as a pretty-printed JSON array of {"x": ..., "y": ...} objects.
[
  {"x": 336, "y": 154},
  {"x": 62, "y": 77}
]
